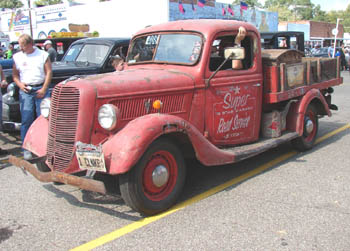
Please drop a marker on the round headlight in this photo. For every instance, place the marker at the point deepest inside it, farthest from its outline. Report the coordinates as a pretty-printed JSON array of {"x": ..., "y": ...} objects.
[
  {"x": 107, "y": 116},
  {"x": 45, "y": 107},
  {"x": 11, "y": 89}
]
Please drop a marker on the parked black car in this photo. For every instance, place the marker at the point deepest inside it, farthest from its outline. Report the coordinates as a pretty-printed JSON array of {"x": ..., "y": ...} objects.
[
  {"x": 320, "y": 52},
  {"x": 84, "y": 57}
]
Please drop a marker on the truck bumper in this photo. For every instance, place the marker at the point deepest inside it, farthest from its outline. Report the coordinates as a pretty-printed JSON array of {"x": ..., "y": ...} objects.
[
  {"x": 9, "y": 126},
  {"x": 11, "y": 115},
  {"x": 54, "y": 176}
]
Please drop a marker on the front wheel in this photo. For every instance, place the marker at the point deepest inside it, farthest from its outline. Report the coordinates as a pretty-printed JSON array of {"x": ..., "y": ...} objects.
[
  {"x": 307, "y": 140},
  {"x": 156, "y": 181}
]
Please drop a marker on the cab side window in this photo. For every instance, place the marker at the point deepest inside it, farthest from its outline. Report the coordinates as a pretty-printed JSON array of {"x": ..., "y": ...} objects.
[
  {"x": 120, "y": 51},
  {"x": 218, "y": 48}
]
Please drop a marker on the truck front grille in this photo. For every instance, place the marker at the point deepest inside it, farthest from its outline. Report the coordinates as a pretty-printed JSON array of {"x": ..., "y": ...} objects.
[{"x": 63, "y": 125}]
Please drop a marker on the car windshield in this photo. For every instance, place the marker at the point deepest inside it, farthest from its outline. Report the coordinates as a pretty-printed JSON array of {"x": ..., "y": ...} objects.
[
  {"x": 166, "y": 48},
  {"x": 321, "y": 50},
  {"x": 87, "y": 53}
]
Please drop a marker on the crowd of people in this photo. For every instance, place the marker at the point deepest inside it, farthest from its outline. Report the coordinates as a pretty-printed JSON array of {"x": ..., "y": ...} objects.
[{"x": 343, "y": 52}]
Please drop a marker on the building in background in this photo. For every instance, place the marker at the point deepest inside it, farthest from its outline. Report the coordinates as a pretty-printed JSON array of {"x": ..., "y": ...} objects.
[
  {"x": 124, "y": 18},
  {"x": 314, "y": 32}
]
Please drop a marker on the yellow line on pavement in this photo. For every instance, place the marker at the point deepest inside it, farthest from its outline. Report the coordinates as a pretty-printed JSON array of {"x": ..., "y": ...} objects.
[{"x": 145, "y": 221}]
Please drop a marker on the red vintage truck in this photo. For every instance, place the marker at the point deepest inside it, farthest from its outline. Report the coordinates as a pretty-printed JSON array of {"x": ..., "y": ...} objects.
[{"x": 178, "y": 98}]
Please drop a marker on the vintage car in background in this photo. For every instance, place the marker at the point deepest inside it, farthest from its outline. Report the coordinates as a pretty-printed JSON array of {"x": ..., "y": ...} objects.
[
  {"x": 84, "y": 57},
  {"x": 321, "y": 52},
  {"x": 283, "y": 40},
  {"x": 61, "y": 45}
]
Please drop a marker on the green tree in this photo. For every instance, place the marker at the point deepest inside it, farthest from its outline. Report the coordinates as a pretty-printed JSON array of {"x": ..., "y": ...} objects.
[
  {"x": 319, "y": 15},
  {"x": 11, "y": 4},
  {"x": 299, "y": 9},
  {"x": 284, "y": 13},
  {"x": 47, "y": 2},
  {"x": 251, "y": 3}
]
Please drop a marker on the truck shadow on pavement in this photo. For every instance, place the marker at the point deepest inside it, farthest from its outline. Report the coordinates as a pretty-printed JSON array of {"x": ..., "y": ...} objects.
[
  {"x": 95, "y": 201},
  {"x": 11, "y": 142},
  {"x": 201, "y": 178}
]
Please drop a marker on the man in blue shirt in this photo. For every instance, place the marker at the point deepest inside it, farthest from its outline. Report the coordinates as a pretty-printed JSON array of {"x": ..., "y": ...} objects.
[{"x": 330, "y": 50}]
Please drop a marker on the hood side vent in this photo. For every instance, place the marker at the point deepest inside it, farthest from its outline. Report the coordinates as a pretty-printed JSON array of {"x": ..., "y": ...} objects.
[{"x": 132, "y": 108}]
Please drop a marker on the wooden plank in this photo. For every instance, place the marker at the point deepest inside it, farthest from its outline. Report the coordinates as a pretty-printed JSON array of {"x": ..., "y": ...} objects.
[
  {"x": 318, "y": 70},
  {"x": 283, "y": 76},
  {"x": 299, "y": 91},
  {"x": 308, "y": 73}
]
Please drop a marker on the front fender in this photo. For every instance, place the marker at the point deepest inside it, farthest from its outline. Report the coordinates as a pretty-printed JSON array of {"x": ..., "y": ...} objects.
[
  {"x": 36, "y": 137},
  {"x": 314, "y": 95},
  {"x": 124, "y": 149}
]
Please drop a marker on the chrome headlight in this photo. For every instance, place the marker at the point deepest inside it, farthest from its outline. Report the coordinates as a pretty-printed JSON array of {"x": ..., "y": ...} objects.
[
  {"x": 45, "y": 107},
  {"x": 11, "y": 89},
  {"x": 107, "y": 116}
]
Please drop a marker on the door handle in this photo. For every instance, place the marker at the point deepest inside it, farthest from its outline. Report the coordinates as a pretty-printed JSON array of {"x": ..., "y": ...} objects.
[{"x": 257, "y": 85}]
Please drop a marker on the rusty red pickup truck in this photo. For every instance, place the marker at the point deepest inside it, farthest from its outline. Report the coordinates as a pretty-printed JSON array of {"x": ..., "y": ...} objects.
[{"x": 179, "y": 97}]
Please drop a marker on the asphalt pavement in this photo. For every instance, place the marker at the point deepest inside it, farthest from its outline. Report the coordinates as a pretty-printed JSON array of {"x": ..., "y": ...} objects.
[{"x": 279, "y": 200}]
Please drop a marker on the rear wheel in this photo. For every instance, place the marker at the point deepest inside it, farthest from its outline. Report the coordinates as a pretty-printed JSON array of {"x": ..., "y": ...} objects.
[
  {"x": 307, "y": 140},
  {"x": 155, "y": 182}
]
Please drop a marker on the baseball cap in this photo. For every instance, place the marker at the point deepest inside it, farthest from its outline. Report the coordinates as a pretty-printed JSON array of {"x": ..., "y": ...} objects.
[
  {"x": 47, "y": 42},
  {"x": 116, "y": 57}
]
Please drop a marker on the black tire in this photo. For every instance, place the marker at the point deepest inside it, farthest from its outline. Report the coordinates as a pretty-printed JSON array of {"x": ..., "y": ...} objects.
[
  {"x": 138, "y": 188},
  {"x": 307, "y": 140}
]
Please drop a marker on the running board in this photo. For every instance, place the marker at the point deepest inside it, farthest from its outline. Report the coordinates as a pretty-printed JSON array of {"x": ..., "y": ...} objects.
[{"x": 250, "y": 150}]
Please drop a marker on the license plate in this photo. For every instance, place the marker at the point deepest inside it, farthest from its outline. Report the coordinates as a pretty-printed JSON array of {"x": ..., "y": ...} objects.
[{"x": 90, "y": 157}]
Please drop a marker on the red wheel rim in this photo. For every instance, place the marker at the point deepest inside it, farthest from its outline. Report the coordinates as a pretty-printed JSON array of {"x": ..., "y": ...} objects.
[
  {"x": 164, "y": 159},
  {"x": 310, "y": 136}
]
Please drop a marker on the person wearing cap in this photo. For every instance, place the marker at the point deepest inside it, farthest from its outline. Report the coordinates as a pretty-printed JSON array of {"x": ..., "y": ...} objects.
[
  {"x": 52, "y": 52},
  {"x": 32, "y": 73},
  {"x": 118, "y": 63}
]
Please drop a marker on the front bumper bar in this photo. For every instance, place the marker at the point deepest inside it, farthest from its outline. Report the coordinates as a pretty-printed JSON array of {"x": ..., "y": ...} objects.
[{"x": 54, "y": 176}]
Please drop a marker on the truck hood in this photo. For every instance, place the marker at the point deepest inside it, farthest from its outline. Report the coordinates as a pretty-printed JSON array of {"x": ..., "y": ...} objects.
[
  {"x": 137, "y": 82},
  {"x": 62, "y": 69}
]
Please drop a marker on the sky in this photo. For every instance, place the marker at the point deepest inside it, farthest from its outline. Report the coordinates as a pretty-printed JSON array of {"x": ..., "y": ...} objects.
[{"x": 326, "y": 5}]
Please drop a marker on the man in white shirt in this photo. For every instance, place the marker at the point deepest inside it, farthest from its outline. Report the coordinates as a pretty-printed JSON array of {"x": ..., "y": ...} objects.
[{"x": 32, "y": 73}]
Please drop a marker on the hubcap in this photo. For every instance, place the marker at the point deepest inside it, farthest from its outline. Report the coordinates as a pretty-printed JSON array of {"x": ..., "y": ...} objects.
[
  {"x": 309, "y": 126},
  {"x": 160, "y": 176}
]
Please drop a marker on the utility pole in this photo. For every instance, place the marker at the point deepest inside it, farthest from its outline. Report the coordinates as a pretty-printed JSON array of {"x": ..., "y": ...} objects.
[
  {"x": 30, "y": 19},
  {"x": 336, "y": 31}
]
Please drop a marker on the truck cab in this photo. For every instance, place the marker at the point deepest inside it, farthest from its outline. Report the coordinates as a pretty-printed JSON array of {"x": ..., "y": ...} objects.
[{"x": 179, "y": 97}]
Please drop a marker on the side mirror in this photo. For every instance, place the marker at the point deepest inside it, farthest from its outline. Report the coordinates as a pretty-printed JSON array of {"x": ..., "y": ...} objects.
[{"x": 234, "y": 53}]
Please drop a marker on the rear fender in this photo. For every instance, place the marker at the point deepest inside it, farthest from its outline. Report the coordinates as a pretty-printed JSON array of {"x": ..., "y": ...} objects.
[
  {"x": 124, "y": 149},
  {"x": 297, "y": 114},
  {"x": 36, "y": 137}
]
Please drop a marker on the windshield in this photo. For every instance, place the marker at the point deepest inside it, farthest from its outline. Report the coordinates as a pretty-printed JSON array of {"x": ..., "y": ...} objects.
[
  {"x": 169, "y": 48},
  {"x": 91, "y": 53}
]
